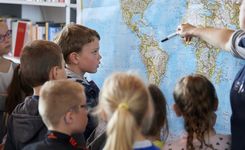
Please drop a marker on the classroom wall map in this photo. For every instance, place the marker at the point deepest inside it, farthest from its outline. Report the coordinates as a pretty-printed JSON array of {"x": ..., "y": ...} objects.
[{"x": 131, "y": 31}]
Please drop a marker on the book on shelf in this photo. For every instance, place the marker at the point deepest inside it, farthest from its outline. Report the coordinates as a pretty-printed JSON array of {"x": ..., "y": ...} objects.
[
  {"x": 41, "y": 31},
  {"x": 51, "y": 1},
  {"x": 24, "y": 31},
  {"x": 21, "y": 34},
  {"x": 52, "y": 29}
]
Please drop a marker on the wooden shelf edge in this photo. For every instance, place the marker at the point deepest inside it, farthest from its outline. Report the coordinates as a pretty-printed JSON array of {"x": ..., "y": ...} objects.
[{"x": 47, "y": 4}]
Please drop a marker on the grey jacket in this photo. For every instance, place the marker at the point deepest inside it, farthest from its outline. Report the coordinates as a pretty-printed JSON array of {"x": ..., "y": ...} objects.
[{"x": 25, "y": 125}]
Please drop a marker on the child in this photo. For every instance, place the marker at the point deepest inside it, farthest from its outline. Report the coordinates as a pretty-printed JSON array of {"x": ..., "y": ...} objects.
[
  {"x": 68, "y": 117},
  {"x": 17, "y": 91},
  {"x": 6, "y": 70},
  {"x": 126, "y": 106},
  {"x": 6, "y": 66},
  {"x": 159, "y": 126},
  {"x": 80, "y": 47},
  {"x": 196, "y": 100},
  {"x": 40, "y": 61},
  {"x": 234, "y": 42}
]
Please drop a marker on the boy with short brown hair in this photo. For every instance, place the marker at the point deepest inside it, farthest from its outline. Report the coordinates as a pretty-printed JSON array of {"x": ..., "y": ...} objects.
[
  {"x": 40, "y": 61},
  {"x": 80, "y": 47}
]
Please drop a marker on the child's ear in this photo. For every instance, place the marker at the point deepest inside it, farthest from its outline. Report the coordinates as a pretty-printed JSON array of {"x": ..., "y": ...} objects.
[
  {"x": 53, "y": 74},
  {"x": 68, "y": 118},
  {"x": 73, "y": 58},
  {"x": 177, "y": 110}
]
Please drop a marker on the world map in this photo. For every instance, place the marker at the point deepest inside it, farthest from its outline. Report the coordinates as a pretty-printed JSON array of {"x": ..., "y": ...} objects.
[{"x": 131, "y": 31}]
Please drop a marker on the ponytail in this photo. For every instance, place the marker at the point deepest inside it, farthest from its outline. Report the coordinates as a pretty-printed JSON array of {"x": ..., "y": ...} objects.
[
  {"x": 126, "y": 104},
  {"x": 17, "y": 91},
  {"x": 120, "y": 130}
]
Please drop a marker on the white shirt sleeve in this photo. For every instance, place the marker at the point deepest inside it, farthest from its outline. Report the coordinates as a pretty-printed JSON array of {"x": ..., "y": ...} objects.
[{"x": 236, "y": 50}]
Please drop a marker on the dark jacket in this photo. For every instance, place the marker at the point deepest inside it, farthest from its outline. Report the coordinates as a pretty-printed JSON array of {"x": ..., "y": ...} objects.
[
  {"x": 97, "y": 139},
  {"x": 25, "y": 125},
  {"x": 92, "y": 94},
  {"x": 237, "y": 97},
  {"x": 55, "y": 141}
]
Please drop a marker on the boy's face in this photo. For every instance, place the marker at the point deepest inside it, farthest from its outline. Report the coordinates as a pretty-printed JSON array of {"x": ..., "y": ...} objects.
[
  {"x": 81, "y": 117},
  {"x": 89, "y": 57},
  {"x": 5, "y": 39}
]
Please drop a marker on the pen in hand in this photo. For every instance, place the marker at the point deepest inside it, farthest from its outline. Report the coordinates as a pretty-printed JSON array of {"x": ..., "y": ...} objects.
[{"x": 170, "y": 36}]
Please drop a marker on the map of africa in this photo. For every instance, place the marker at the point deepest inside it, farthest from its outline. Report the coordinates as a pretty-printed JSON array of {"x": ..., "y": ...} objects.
[{"x": 131, "y": 31}]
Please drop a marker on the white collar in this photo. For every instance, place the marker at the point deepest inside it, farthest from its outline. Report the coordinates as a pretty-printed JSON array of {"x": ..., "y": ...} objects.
[
  {"x": 76, "y": 76},
  {"x": 142, "y": 144}
]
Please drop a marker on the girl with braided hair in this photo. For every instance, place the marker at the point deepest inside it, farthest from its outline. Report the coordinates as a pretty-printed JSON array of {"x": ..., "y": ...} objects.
[{"x": 196, "y": 101}]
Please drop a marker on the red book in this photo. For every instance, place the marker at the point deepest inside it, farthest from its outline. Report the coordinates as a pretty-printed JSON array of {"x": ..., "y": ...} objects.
[{"x": 20, "y": 38}]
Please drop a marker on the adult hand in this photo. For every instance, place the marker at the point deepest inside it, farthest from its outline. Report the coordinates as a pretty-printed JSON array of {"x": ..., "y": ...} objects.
[
  {"x": 237, "y": 1},
  {"x": 186, "y": 31}
]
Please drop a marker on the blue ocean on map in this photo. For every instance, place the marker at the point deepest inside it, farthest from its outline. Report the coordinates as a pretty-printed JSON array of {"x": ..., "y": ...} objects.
[{"x": 120, "y": 50}]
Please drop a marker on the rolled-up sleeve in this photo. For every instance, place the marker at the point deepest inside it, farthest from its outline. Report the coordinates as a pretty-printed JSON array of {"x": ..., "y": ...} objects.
[{"x": 238, "y": 44}]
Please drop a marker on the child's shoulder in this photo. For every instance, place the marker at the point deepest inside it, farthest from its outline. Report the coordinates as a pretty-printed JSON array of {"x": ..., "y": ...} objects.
[
  {"x": 221, "y": 140},
  {"x": 218, "y": 141},
  {"x": 179, "y": 143},
  {"x": 221, "y": 137},
  {"x": 28, "y": 107}
]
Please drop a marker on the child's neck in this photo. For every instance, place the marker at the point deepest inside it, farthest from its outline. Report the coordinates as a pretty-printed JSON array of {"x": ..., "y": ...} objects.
[
  {"x": 154, "y": 138},
  {"x": 139, "y": 136},
  {"x": 75, "y": 69},
  {"x": 36, "y": 90},
  {"x": 61, "y": 130}
]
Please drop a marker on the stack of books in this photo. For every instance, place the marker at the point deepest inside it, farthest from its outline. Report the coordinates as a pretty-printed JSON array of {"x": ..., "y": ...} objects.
[{"x": 24, "y": 31}]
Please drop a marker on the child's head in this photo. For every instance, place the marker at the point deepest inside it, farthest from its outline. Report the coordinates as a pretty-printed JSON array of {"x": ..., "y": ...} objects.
[
  {"x": 126, "y": 105},
  {"x": 159, "y": 121},
  {"x": 5, "y": 38},
  {"x": 196, "y": 100},
  {"x": 41, "y": 61},
  {"x": 62, "y": 105},
  {"x": 80, "y": 47}
]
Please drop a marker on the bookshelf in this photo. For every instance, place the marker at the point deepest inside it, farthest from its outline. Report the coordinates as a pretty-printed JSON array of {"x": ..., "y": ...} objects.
[
  {"x": 41, "y": 11},
  {"x": 22, "y": 2},
  {"x": 67, "y": 10}
]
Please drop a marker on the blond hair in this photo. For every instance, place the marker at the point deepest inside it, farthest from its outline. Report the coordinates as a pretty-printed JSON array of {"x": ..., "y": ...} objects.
[
  {"x": 124, "y": 98},
  {"x": 56, "y": 98}
]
